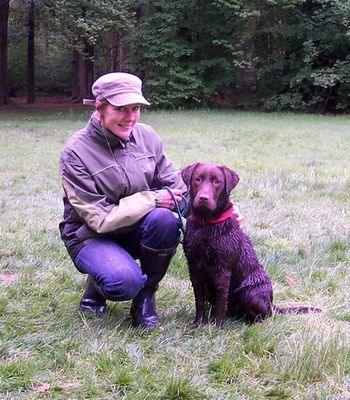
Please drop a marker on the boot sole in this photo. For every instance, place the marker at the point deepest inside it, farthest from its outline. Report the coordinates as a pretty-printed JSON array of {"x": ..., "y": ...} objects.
[{"x": 97, "y": 309}]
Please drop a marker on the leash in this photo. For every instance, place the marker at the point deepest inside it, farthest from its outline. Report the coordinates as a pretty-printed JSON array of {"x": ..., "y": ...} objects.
[{"x": 180, "y": 213}]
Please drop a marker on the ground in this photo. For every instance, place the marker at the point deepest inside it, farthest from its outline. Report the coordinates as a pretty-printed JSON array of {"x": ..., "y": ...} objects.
[{"x": 42, "y": 103}]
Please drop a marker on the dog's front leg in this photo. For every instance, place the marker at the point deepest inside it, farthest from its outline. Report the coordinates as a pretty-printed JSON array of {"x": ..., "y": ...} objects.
[
  {"x": 199, "y": 297},
  {"x": 222, "y": 292}
]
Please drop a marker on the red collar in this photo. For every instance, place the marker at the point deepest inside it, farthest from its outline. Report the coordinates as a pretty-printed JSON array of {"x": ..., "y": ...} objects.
[{"x": 221, "y": 218}]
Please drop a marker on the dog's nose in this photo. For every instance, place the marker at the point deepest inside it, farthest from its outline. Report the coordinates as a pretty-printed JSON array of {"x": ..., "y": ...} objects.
[{"x": 203, "y": 197}]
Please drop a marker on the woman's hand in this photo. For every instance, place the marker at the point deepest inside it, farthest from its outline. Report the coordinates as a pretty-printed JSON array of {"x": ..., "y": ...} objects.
[
  {"x": 237, "y": 214},
  {"x": 164, "y": 198}
]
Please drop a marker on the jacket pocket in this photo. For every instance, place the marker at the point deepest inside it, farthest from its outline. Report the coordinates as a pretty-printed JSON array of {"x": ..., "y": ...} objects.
[
  {"x": 147, "y": 163},
  {"x": 84, "y": 233}
]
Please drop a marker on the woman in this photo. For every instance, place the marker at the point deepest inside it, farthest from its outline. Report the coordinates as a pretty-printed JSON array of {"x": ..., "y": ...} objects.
[{"x": 115, "y": 210}]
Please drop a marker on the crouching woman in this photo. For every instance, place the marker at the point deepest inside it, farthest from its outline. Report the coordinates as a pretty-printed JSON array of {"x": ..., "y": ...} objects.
[{"x": 115, "y": 208}]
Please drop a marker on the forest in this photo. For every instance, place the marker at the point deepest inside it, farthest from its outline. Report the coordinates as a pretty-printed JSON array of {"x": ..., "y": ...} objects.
[{"x": 270, "y": 55}]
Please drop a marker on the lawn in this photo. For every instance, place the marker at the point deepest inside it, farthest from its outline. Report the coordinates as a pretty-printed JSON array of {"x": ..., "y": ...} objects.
[{"x": 294, "y": 194}]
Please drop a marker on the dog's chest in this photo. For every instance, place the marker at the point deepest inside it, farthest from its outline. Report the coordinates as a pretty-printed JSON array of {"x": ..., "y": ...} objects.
[{"x": 209, "y": 249}]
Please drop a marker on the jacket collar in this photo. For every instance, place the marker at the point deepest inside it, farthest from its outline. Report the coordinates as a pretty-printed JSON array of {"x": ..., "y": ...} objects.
[{"x": 104, "y": 136}]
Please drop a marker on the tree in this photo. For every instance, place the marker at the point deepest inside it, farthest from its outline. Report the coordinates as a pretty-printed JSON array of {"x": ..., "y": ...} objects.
[
  {"x": 31, "y": 52},
  {"x": 83, "y": 70},
  {"x": 4, "y": 14},
  {"x": 266, "y": 54},
  {"x": 302, "y": 55},
  {"x": 85, "y": 24},
  {"x": 161, "y": 54},
  {"x": 24, "y": 12},
  {"x": 189, "y": 52}
]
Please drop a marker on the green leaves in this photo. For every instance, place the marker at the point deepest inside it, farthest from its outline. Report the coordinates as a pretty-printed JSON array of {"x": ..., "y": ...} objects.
[
  {"x": 89, "y": 20},
  {"x": 270, "y": 54}
]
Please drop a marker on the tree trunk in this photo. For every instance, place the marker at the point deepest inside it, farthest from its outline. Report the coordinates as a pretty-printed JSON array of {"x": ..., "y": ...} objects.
[
  {"x": 88, "y": 70},
  {"x": 4, "y": 13},
  {"x": 75, "y": 75},
  {"x": 31, "y": 54},
  {"x": 120, "y": 54},
  {"x": 83, "y": 72}
]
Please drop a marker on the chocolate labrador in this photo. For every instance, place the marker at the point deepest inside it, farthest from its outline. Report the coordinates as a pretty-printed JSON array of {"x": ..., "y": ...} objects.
[{"x": 224, "y": 268}]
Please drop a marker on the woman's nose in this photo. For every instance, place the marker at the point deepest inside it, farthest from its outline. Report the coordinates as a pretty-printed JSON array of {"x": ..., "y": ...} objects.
[{"x": 129, "y": 115}]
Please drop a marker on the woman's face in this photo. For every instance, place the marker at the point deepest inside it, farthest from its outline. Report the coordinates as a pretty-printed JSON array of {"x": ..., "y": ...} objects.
[{"x": 120, "y": 120}]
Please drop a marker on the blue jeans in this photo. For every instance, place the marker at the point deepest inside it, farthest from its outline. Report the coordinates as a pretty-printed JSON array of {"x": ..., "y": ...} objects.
[{"x": 110, "y": 259}]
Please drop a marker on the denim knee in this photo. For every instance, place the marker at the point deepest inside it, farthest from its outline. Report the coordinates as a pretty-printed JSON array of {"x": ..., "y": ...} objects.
[
  {"x": 160, "y": 229},
  {"x": 112, "y": 268},
  {"x": 121, "y": 286}
]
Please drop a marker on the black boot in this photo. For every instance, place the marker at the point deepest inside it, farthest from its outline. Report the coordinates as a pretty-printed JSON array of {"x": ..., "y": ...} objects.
[
  {"x": 154, "y": 263},
  {"x": 93, "y": 300}
]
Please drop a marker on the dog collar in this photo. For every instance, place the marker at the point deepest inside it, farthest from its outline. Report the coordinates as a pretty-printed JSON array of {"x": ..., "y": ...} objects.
[{"x": 221, "y": 218}]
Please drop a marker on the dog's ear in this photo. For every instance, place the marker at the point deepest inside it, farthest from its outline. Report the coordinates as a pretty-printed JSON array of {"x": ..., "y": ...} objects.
[
  {"x": 186, "y": 173},
  {"x": 231, "y": 177}
]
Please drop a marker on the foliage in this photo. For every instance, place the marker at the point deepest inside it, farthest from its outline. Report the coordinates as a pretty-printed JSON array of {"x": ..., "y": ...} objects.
[
  {"x": 88, "y": 19},
  {"x": 312, "y": 66},
  {"x": 53, "y": 75},
  {"x": 53, "y": 69},
  {"x": 185, "y": 51},
  {"x": 161, "y": 55},
  {"x": 266, "y": 54}
]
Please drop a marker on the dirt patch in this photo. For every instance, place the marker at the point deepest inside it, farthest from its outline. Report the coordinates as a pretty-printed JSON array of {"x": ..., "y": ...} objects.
[
  {"x": 7, "y": 278},
  {"x": 43, "y": 103}
]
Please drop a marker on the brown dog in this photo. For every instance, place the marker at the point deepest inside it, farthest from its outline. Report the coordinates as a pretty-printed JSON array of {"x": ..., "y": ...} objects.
[{"x": 223, "y": 265}]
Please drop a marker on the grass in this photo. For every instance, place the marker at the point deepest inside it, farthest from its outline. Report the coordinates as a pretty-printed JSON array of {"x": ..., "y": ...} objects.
[{"x": 294, "y": 194}]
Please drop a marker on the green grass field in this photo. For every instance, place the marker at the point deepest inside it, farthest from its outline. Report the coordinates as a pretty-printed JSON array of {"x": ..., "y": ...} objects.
[{"x": 294, "y": 194}]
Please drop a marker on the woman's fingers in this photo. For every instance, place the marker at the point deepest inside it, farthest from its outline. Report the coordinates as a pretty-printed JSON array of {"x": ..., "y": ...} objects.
[
  {"x": 168, "y": 201},
  {"x": 238, "y": 215}
]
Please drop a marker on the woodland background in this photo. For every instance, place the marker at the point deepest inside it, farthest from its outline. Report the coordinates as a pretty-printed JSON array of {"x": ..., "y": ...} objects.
[{"x": 269, "y": 55}]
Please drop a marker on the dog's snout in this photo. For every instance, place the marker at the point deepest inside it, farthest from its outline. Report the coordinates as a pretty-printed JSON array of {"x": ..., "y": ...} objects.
[
  {"x": 204, "y": 200},
  {"x": 203, "y": 197}
]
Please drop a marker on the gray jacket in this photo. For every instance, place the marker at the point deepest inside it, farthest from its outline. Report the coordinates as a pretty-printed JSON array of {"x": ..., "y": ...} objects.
[{"x": 108, "y": 182}]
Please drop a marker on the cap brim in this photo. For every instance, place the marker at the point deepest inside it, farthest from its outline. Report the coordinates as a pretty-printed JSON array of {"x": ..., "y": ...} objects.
[{"x": 126, "y": 99}]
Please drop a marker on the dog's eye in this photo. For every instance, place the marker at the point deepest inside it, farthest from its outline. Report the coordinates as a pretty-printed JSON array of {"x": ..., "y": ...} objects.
[
  {"x": 217, "y": 182},
  {"x": 197, "y": 179}
]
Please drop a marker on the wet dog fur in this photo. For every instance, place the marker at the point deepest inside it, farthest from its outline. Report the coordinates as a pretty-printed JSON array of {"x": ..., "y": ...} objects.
[{"x": 223, "y": 265}]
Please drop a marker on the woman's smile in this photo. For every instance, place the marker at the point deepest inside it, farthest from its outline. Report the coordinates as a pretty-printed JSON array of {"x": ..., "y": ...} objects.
[{"x": 120, "y": 120}]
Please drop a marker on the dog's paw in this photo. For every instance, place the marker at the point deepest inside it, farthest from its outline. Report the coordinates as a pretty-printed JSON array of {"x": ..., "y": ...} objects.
[
  {"x": 217, "y": 322},
  {"x": 197, "y": 322}
]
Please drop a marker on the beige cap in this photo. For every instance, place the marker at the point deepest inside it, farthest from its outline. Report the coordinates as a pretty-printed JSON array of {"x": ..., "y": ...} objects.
[{"x": 119, "y": 89}]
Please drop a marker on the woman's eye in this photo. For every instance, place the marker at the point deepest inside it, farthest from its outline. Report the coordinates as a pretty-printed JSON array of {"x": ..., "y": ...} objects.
[{"x": 119, "y": 109}]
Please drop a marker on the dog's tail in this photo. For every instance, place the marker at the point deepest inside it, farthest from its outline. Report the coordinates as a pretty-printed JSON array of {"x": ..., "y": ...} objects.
[{"x": 295, "y": 310}]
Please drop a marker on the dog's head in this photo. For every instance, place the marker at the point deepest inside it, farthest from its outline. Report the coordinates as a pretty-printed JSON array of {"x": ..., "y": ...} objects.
[{"x": 209, "y": 187}]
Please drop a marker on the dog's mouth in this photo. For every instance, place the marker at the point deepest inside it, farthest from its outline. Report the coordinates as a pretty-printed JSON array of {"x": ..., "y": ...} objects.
[
  {"x": 203, "y": 211},
  {"x": 204, "y": 206},
  {"x": 207, "y": 208}
]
